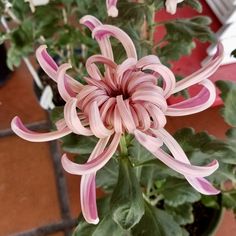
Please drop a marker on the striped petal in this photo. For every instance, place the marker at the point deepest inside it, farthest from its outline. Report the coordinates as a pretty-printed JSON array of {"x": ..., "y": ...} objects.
[
  {"x": 110, "y": 30},
  {"x": 200, "y": 184},
  {"x": 18, "y": 127},
  {"x": 88, "y": 187},
  {"x": 94, "y": 165},
  {"x": 180, "y": 167},
  {"x": 72, "y": 120},
  {"x": 203, "y": 73},
  {"x": 203, "y": 100}
]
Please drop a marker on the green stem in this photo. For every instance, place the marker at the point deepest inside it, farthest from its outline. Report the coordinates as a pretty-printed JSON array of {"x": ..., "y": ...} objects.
[{"x": 123, "y": 147}]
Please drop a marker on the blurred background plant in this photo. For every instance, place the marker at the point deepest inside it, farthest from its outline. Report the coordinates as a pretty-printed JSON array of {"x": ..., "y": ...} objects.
[{"x": 169, "y": 205}]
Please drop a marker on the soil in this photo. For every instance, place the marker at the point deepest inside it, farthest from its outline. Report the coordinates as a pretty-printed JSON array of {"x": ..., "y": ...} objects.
[{"x": 203, "y": 218}]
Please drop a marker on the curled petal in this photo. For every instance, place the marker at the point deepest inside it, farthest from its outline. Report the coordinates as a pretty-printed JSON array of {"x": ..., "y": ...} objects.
[
  {"x": 150, "y": 95},
  {"x": 204, "y": 99},
  {"x": 92, "y": 68},
  {"x": 18, "y": 127},
  {"x": 205, "y": 72},
  {"x": 62, "y": 85},
  {"x": 50, "y": 67},
  {"x": 96, "y": 124},
  {"x": 200, "y": 184},
  {"x": 88, "y": 198},
  {"x": 88, "y": 187},
  {"x": 111, "y": 8},
  {"x": 94, "y": 165},
  {"x": 148, "y": 60},
  {"x": 180, "y": 167},
  {"x": 72, "y": 120},
  {"x": 110, "y": 30},
  {"x": 117, "y": 121},
  {"x": 167, "y": 75},
  {"x": 104, "y": 43},
  {"x": 125, "y": 114},
  {"x": 128, "y": 64},
  {"x": 143, "y": 116}
]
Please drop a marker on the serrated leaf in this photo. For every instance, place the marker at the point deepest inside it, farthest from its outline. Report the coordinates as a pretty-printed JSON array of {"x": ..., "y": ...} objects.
[
  {"x": 177, "y": 192},
  {"x": 156, "y": 222},
  {"x": 182, "y": 214},
  {"x": 210, "y": 201},
  {"x": 78, "y": 144},
  {"x": 228, "y": 94},
  {"x": 107, "y": 177},
  {"x": 127, "y": 205},
  {"x": 106, "y": 226},
  {"x": 195, "y": 4},
  {"x": 229, "y": 200}
]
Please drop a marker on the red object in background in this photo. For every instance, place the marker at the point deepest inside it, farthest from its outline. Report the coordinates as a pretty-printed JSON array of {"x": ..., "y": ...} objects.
[{"x": 191, "y": 63}]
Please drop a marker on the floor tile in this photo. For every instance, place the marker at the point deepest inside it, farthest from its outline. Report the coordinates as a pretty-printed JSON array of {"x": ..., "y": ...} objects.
[
  {"x": 17, "y": 98},
  {"x": 28, "y": 195},
  {"x": 228, "y": 225}
]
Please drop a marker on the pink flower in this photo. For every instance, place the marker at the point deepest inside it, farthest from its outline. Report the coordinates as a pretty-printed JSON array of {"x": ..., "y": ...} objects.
[
  {"x": 171, "y": 5},
  {"x": 111, "y": 8},
  {"x": 123, "y": 99}
]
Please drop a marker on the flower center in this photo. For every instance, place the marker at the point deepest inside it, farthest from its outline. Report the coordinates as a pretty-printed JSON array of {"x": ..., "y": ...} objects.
[{"x": 133, "y": 99}]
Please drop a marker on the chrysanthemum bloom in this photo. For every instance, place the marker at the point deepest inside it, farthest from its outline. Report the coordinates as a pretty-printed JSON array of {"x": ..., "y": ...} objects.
[
  {"x": 123, "y": 99},
  {"x": 171, "y": 5},
  {"x": 111, "y": 8}
]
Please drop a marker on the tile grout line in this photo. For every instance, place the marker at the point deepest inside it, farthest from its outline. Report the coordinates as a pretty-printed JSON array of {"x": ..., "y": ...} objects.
[
  {"x": 60, "y": 184},
  {"x": 35, "y": 126},
  {"x": 48, "y": 229}
]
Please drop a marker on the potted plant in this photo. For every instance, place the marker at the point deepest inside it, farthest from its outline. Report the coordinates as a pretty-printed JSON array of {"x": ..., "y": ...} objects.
[{"x": 142, "y": 196}]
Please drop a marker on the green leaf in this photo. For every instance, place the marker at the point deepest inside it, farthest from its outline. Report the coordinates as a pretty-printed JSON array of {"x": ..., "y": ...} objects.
[
  {"x": 156, "y": 222},
  {"x": 78, "y": 144},
  {"x": 195, "y": 4},
  {"x": 210, "y": 201},
  {"x": 127, "y": 204},
  {"x": 177, "y": 192},
  {"x": 229, "y": 200},
  {"x": 228, "y": 94},
  {"x": 107, "y": 176},
  {"x": 182, "y": 214}
]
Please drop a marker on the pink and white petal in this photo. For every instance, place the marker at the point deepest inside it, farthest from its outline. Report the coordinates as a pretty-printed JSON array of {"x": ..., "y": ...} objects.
[
  {"x": 18, "y": 128},
  {"x": 96, "y": 123},
  {"x": 200, "y": 184},
  {"x": 204, "y": 73},
  {"x": 72, "y": 120},
  {"x": 128, "y": 65},
  {"x": 94, "y": 165},
  {"x": 125, "y": 114},
  {"x": 111, "y": 8},
  {"x": 167, "y": 75},
  {"x": 180, "y": 167},
  {"x": 203, "y": 100},
  {"x": 104, "y": 43},
  {"x": 62, "y": 85},
  {"x": 88, "y": 187},
  {"x": 88, "y": 198},
  {"x": 148, "y": 60},
  {"x": 50, "y": 67},
  {"x": 110, "y": 30}
]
